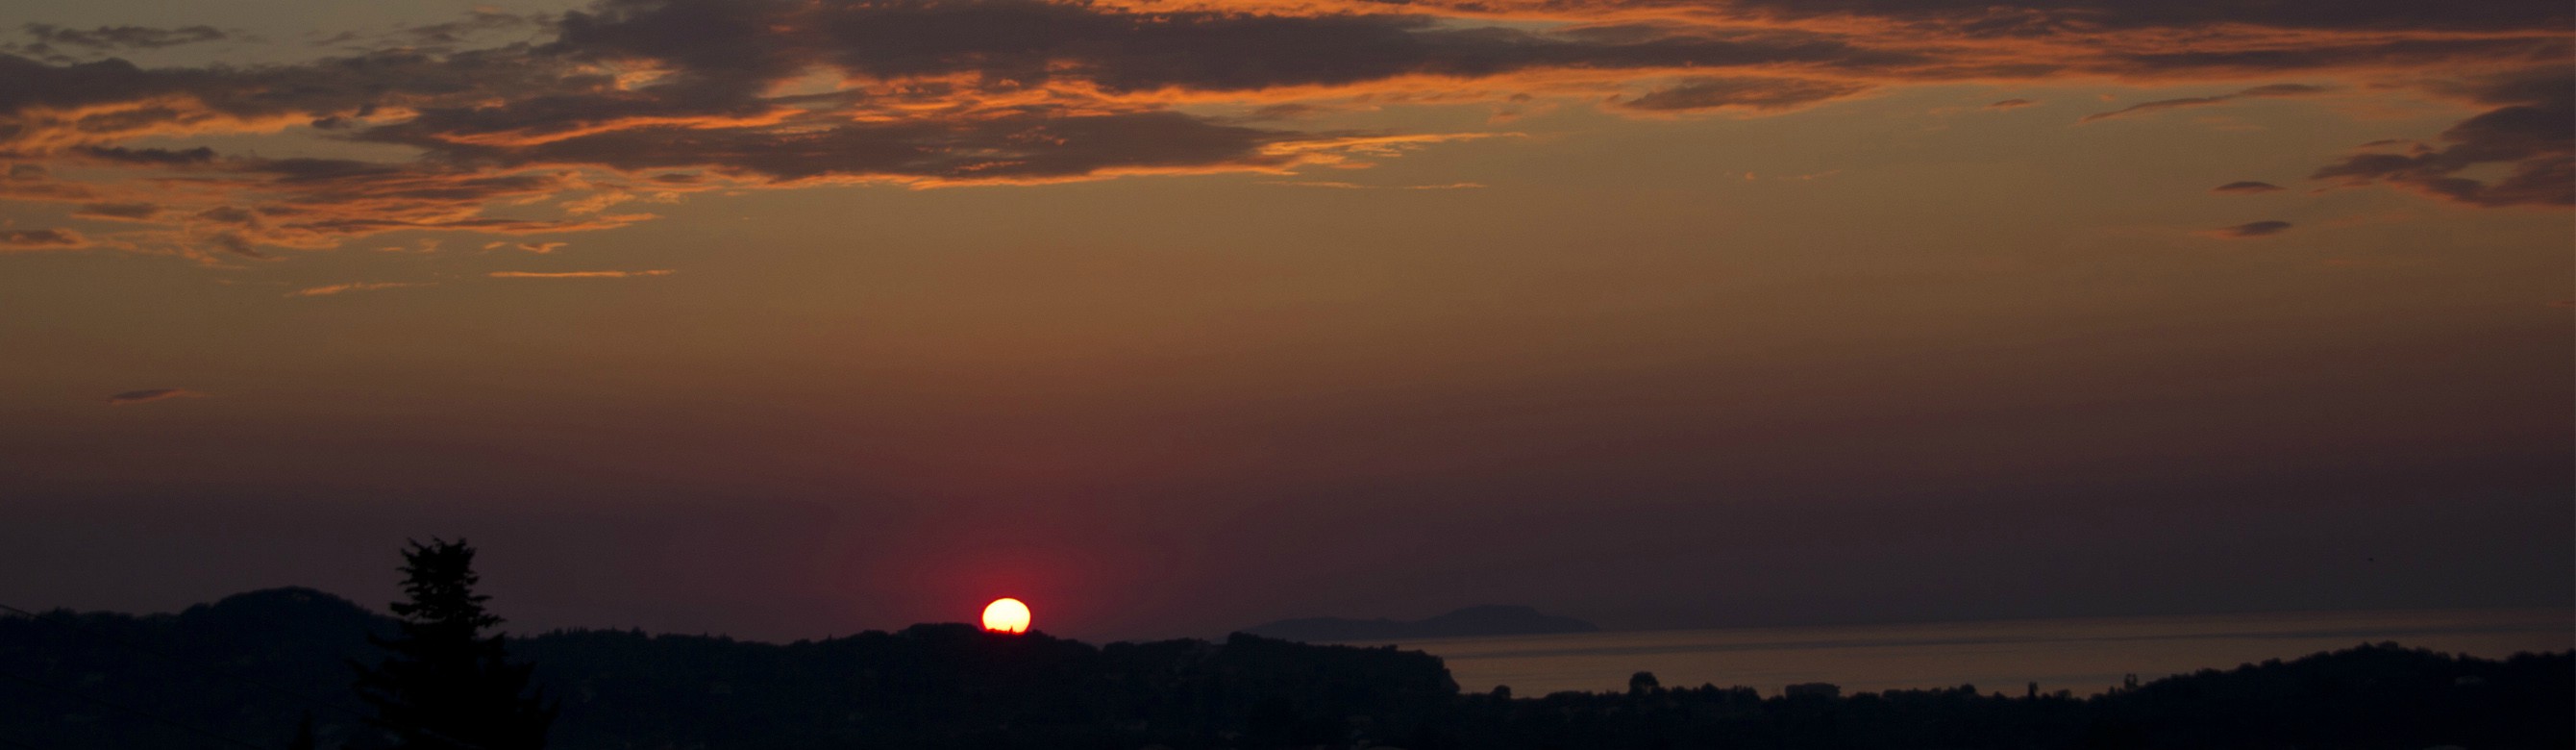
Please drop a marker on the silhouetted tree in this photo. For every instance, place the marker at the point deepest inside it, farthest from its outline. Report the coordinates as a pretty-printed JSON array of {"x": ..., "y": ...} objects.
[
  {"x": 303, "y": 734},
  {"x": 445, "y": 685},
  {"x": 1642, "y": 683}
]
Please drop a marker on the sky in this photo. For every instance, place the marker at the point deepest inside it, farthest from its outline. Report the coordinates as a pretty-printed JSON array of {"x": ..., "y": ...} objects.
[{"x": 790, "y": 319}]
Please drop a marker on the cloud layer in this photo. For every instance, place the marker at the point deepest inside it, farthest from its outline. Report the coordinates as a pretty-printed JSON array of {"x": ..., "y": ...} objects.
[{"x": 632, "y": 102}]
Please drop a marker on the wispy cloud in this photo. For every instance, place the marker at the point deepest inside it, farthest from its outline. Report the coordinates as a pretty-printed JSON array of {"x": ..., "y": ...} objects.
[
  {"x": 1337, "y": 185},
  {"x": 540, "y": 248},
  {"x": 577, "y": 274},
  {"x": 1808, "y": 177},
  {"x": 2273, "y": 91},
  {"x": 2011, "y": 104},
  {"x": 41, "y": 239},
  {"x": 2248, "y": 230},
  {"x": 150, "y": 394},
  {"x": 354, "y": 286},
  {"x": 118, "y": 211},
  {"x": 2532, "y": 132},
  {"x": 105, "y": 38},
  {"x": 2246, "y": 187},
  {"x": 1757, "y": 93}
]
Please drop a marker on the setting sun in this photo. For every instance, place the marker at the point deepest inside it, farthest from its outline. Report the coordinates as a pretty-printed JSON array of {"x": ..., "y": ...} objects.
[{"x": 1006, "y": 615}]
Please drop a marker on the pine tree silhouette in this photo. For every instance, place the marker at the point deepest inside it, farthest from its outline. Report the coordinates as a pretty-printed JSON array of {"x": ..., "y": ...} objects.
[
  {"x": 304, "y": 734},
  {"x": 445, "y": 685}
]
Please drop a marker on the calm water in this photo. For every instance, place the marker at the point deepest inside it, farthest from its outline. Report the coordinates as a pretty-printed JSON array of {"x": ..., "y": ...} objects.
[{"x": 2085, "y": 656}]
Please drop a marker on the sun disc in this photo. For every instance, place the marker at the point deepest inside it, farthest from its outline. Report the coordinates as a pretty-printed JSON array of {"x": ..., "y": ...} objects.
[{"x": 1006, "y": 615}]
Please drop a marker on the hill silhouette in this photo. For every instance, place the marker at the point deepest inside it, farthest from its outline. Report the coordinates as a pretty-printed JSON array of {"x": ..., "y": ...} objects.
[
  {"x": 249, "y": 665},
  {"x": 242, "y": 671},
  {"x": 1491, "y": 619}
]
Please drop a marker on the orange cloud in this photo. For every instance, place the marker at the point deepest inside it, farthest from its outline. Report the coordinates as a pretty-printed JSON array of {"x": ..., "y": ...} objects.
[{"x": 355, "y": 286}]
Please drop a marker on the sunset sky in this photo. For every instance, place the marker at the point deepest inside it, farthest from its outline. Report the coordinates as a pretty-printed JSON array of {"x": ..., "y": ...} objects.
[{"x": 788, "y": 319}]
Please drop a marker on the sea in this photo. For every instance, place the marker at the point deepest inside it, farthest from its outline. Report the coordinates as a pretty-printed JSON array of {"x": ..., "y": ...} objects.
[{"x": 2085, "y": 656}]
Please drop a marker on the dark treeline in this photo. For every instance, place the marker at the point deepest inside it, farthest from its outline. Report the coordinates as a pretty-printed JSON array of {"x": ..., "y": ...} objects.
[{"x": 252, "y": 667}]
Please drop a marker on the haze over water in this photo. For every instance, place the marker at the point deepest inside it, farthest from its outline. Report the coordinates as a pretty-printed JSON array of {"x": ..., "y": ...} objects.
[{"x": 2083, "y": 655}]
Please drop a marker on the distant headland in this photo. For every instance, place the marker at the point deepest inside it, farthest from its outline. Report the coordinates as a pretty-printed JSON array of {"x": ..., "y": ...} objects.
[{"x": 1491, "y": 619}]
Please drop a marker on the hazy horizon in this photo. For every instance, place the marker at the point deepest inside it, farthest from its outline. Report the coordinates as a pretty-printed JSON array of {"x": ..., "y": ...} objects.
[{"x": 2368, "y": 619}]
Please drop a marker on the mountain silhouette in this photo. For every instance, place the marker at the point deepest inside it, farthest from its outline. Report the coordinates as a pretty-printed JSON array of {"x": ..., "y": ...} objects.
[{"x": 1491, "y": 619}]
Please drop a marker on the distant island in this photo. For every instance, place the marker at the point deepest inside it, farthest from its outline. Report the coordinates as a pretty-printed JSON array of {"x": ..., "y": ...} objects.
[{"x": 1491, "y": 619}]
